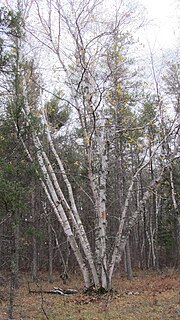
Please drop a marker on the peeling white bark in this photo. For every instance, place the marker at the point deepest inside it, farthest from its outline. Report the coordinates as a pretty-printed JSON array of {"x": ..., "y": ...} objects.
[
  {"x": 102, "y": 173},
  {"x": 73, "y": 212}
]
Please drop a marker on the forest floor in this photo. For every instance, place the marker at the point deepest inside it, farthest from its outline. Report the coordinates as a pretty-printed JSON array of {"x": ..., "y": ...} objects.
[{"x": 148, "y": 296}]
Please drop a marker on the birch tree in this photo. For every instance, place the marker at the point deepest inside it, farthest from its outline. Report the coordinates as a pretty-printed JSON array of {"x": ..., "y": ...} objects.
[
  {"x": 88, "y": 88},
  {"x": 77, "y": 37}
]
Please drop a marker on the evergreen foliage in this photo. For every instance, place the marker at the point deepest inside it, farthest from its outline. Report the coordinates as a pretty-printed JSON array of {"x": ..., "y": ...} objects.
[{"x": 99, "y": 151}]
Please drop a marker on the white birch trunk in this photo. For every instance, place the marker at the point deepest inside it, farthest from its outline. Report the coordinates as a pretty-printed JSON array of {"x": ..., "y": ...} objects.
[
  {"x": 60, "y": 213},
  {"x": 122, "y": 238},
  {"x": 73, "y": 212},
  {"x": 119, "y": 239},
  {"x": 51, "y": 192},
  {"x": 98, "y": 182},
  {"x": 103, "y": 170},
  {"x": 56, "y": 197}
]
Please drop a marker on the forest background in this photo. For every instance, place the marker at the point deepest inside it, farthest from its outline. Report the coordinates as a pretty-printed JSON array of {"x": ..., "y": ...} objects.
[{"x": 89, "y": 157}]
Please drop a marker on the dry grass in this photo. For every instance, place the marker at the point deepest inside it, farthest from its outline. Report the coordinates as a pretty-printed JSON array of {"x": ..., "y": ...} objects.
[{"x": 146, "y": 297}]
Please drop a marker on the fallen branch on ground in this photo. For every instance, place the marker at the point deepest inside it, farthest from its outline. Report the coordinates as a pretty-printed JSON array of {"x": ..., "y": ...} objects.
[{"x": 55, "y": 290}]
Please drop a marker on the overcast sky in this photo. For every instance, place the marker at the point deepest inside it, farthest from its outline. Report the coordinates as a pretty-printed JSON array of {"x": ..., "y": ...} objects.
[{"x": 163, "y": 30}]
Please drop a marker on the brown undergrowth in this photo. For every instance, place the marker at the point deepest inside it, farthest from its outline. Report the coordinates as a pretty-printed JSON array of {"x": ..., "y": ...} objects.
[{"x": 148, "y": 296}]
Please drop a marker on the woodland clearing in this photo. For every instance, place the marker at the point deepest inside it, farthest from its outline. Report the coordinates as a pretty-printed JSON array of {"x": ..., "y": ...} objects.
[{"x": 148, "y": 296}]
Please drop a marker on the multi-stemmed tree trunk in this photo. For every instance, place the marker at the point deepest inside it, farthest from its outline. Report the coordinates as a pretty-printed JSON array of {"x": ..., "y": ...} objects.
[{"x": 87, "y": 77}]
